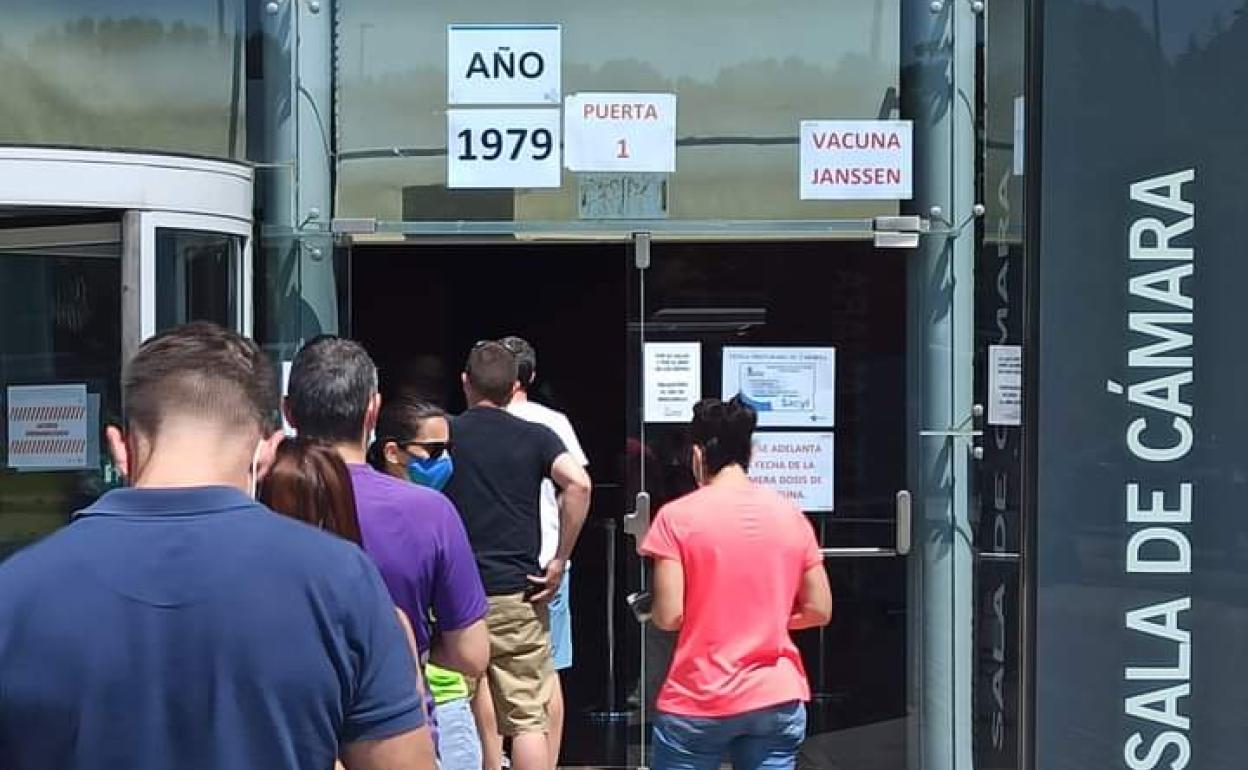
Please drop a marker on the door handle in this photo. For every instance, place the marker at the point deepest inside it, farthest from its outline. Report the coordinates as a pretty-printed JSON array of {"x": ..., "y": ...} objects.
[
  {"x": 901, "y": 537},
  {"x": 637, "y": 523},
  {"x": 904, "y": 522}
]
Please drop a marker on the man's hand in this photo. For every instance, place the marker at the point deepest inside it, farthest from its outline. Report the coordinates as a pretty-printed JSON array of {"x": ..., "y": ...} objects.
[{"x": 549, "y": 581}]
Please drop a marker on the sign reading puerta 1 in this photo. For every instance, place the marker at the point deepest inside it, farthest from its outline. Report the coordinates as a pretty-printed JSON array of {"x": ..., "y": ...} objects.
[{"x": 1141, "y": 559}]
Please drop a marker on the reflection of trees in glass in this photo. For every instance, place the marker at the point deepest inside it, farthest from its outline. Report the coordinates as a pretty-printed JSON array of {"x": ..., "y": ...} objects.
[
  {"x": 765, "y": 97},
  {"x": 127, "y": 83},
  {"x": 761, "y": 97}
]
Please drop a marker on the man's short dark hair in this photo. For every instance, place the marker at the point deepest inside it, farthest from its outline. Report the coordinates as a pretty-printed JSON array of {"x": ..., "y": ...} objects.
[
  {"x": 491, "y": 371},
  {"x": 526, "y": 359},
  {"x": 331, "y": 383},
  {"x": 725, "y": 432},
  {"x": 204, "y": 371}
]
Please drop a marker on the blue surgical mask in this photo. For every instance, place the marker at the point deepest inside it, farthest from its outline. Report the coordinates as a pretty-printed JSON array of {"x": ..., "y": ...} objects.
[{"x": 431, "y": 472}]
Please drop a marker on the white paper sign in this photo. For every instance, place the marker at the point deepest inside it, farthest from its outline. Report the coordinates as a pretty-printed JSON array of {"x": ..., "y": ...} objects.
[
  {"x": 1020, "y": 136},
  {"x": 672, "y": 380},
  {"x": 856, "y": 160},
  {"x": 287, "y": 428},
  {"x": 789, "y": 387},
  {"x": 502, "y": 148},
  {"x": 620, "y": 132},
  {"x": 503, "y": 64},
  {"x": 1005, "y": 385},
  {"x": 797, "y": 465},
  {"x": 47, "y": 427}
]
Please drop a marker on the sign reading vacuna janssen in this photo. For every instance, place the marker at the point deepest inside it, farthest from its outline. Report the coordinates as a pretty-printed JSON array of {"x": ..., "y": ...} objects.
[
  {"x": 856, "y": 160},
  {"x": 1160, "y": 430}
]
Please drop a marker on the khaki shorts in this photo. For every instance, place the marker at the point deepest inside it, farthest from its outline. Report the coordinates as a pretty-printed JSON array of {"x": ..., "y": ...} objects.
[{"x": 521, "y": 675}]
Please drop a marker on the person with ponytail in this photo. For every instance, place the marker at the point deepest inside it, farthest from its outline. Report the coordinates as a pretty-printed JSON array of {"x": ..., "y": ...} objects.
[{"x": 736, "y": 568}]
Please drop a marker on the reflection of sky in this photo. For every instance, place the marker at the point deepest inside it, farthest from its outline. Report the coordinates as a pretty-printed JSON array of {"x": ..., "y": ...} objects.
[
  {"x": 695, "y": 38},
  {"x": 26, "y": 18},
  {"x": 1180, "y": 21}
]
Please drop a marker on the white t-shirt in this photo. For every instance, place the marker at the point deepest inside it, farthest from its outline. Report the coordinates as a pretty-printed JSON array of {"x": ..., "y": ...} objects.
[{"x": 557, "y": 422}]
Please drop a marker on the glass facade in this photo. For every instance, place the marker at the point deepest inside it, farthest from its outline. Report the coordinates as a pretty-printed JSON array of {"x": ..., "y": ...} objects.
[
  {"x": 161, "y": 75},
  {"x": 346, "y": 121},
  {"x": 744, "y": 75}
]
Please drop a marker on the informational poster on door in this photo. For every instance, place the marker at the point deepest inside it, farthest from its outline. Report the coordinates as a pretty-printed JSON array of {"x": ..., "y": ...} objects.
[
  {"x": 502, "y": 148},
  {"x": 47, "y": 426},
  {"x": 799, "y": 466},
  {"x": 856, "y": 160},
  {"x": 788, "y": 387},
  {"x": 504, "y": 64},
  {"x": 1005, "y": 385},
  {"x": 620, "y": 132},
  {"x": 672, "y": 379}
]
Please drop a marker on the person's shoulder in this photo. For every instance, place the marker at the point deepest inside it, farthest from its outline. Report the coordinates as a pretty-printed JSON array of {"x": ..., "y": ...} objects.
[
  {"x": 39, "y": 562},
  {"x": 769, "y": 498},
  {"x": 690, "y": 504},
  {"x": 293, "y": 547},
  {"x": 284, "y": 533},
  {"x": 536, "y": 411},
  {"x": 400, "y": 494}
]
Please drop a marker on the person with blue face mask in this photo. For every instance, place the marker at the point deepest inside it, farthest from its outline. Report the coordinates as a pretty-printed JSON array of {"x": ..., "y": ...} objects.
[{"x": 413, "y": 443}]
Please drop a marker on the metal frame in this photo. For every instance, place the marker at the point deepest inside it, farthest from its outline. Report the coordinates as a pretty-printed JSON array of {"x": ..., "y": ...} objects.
[
  {"x": 1033, "y": 79},
  {"x": 145, "y": 224}
]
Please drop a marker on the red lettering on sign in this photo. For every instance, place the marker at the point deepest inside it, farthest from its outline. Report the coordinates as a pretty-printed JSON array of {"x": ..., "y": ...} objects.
[
  {"x": 876, "y": 175},
  {"x": 618, "y": 111},
  {"x": 856, "y": 140}
]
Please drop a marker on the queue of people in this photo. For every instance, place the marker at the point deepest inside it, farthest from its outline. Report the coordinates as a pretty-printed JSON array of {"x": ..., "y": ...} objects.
[{"x": 179, "y": 623}]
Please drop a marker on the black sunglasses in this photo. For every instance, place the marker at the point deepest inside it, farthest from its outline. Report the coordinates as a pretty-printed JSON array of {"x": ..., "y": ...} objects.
[{"x": 434, "y": 449}]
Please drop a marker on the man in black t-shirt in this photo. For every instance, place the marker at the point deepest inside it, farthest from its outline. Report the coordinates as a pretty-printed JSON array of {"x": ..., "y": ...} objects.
[{"x": 500, "y": 462}]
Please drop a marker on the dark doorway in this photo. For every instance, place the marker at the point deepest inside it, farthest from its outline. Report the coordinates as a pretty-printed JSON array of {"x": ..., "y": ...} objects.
[{"x": 419, "y": 310}]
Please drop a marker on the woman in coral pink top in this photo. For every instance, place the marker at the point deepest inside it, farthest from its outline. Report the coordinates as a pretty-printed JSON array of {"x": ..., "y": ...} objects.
[{"x": 736, "y": 569}]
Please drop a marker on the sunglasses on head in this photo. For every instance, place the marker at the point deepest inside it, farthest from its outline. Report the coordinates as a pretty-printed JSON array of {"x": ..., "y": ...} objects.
[{"x": 484, "y": 343}]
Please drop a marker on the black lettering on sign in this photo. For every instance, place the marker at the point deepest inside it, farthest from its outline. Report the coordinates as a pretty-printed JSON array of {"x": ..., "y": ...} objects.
[{"x": 505, "y": 64}]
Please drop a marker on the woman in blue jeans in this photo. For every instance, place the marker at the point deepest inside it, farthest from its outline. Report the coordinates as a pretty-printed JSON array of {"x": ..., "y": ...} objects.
[{"x": 736, "y": 568}]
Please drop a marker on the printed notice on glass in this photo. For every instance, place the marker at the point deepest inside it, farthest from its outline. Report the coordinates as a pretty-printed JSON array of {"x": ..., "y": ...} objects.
[
  {"x": 508, "y": 148},
  {"x": 504, "y": 64},
  {"x": 1005, "y": 385},
  {"x": 856, "y": 160},
  {"x": 672, "y": 379},
  {"x": 788, "y": 387},
  {"x": 620, "y": 132},
  {"x": 47, "y": 427},
  {"x": 797, "y": 465}
]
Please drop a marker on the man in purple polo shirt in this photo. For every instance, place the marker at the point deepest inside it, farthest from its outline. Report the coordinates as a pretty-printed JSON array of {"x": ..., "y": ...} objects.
[{"x": 413, "y": 533}]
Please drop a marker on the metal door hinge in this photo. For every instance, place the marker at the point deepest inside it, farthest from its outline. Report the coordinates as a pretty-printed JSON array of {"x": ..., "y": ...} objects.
[
  {"x": 899, "y": 232},
  {"x": 360, "y": 226}
]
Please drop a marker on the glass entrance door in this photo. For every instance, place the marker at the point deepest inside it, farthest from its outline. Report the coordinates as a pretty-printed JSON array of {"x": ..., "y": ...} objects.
[
  {"x": 193, "y": 268},
  {"x": 816, "y": 335}
]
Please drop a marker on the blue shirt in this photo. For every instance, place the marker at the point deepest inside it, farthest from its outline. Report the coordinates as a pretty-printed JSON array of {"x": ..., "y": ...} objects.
[{"x": 194, "y": 628}]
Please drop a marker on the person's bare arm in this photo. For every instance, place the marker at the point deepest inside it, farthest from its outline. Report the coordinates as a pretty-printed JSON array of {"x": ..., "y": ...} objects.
[
  {"x": 466, "y": 650},
  {"x": 668, "y": 605},
  {"x": 575, "y": 487},
  {"x": 814, "y": 600},
  {"x": 412, "y": 750}
]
